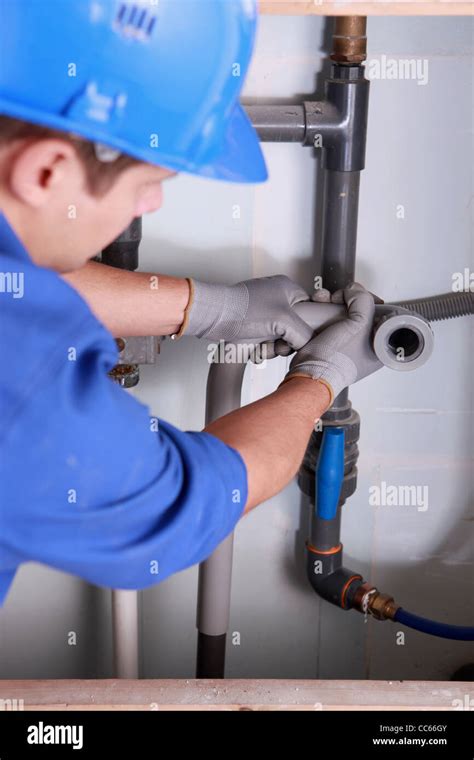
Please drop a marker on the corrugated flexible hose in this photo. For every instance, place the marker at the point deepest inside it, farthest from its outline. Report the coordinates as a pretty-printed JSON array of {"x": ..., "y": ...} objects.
[{"x": 444, "y": 306}]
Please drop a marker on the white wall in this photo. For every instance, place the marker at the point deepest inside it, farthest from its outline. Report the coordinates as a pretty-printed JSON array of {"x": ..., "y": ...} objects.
[{"x": 416, "y": 428}]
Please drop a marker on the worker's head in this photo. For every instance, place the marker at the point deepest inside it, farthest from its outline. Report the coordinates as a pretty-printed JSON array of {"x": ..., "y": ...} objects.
[
  {"x": 66, "y": 201},
  {"x": 117, "y": 91}
]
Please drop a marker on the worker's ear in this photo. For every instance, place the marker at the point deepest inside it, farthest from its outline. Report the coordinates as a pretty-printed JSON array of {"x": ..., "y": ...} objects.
[{"x": 40, "y": 168}]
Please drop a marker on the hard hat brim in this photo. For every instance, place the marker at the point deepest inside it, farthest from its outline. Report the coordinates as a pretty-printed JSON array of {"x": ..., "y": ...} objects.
[{"x": 240, "y": 158}]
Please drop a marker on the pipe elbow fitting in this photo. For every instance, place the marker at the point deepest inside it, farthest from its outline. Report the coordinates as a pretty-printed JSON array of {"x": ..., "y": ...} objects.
[{"x": 331, "y": 581}]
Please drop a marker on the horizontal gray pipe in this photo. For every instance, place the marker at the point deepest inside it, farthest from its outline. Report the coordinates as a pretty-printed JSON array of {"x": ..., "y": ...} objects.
[{"x": 278, "y": 123}]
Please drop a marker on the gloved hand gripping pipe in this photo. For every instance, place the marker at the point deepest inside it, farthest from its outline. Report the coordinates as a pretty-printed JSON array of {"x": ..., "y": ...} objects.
[{"x": 402, "y": 337}]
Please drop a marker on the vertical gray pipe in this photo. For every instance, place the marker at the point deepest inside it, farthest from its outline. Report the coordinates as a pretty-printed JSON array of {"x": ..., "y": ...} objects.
[
  {"x": 341, "y": 204},
  {"x": 125, "y": 633},
  {"x": 349, "y": 89},
  {"x": 340, "y": 228},
  {"x": 123, "y": 254},
  {"x": 224, "y": 388},
  {"x": 224, "y": 395}
]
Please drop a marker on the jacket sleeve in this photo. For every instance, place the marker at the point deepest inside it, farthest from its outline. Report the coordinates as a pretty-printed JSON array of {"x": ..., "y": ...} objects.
[{"x": 96, "y": 487}]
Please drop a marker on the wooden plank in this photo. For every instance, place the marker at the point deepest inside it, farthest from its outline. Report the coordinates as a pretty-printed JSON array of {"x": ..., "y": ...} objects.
[
  {"x": 364, "y": 8},
  {"x": 234, "y": 694}
]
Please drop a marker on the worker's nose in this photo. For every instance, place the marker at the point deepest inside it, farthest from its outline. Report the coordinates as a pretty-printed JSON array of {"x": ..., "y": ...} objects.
[{"x": 150, "y": 201}]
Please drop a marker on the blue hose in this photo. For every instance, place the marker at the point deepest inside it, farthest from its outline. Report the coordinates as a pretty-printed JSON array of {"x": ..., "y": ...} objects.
[{"x": 445, "y": 631}]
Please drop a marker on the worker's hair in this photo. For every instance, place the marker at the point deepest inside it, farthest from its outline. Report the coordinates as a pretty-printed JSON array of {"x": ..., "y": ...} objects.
[{"x": 100, "y": 175}]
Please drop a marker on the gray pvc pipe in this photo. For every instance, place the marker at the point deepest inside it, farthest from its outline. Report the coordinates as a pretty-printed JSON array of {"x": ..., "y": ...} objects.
[
  {"x": 224, "y": 388},
  {"x": 278, "y": 123},
  {"x": 402, "y": 339},
  {"x": 125, "y": 633},
  {"x": 341, "y": 199},
  {"x": 214, "y": 590}
]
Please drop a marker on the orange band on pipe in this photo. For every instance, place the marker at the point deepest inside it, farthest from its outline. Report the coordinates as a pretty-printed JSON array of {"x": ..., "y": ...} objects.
[
  {"x": 344, "y": 590},
  {"x": 333, "y": 550}
]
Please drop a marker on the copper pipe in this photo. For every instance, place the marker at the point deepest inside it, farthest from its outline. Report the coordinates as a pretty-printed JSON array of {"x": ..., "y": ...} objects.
[{"x": 350, "y": 40}]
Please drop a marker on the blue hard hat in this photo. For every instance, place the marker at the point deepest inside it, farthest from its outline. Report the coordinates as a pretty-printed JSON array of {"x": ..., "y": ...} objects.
[{"x": 156, "y": 79}]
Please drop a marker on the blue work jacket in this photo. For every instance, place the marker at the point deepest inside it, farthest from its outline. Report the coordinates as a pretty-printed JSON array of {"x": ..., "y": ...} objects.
[{"x": 90, "y": 484}]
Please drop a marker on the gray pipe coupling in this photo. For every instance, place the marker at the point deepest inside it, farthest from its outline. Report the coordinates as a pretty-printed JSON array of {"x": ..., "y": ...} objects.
[{"x": 402, "y": 339}]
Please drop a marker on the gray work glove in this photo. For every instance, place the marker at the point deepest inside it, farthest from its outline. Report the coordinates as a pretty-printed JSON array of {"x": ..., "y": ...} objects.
[
  {"x": 256, "y": 310},
  {"x": 341, "y": 354}
]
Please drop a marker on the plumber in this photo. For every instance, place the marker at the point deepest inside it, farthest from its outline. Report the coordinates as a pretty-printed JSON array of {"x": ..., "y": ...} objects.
[{"x": 100, "y": 104}]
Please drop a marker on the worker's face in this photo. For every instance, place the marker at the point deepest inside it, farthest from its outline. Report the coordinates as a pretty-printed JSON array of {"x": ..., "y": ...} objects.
[
  {"x": 136, "y": 191},
  {"x": 45, "y": 194}
]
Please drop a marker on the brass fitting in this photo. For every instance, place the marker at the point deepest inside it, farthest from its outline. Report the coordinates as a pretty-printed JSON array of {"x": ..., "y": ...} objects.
[
  {"x": 382, "y": 606},
  {"x": 125, "y": 375},
  {"x": 370, "y": 601},
  {"x": 350, "y": 40}
]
